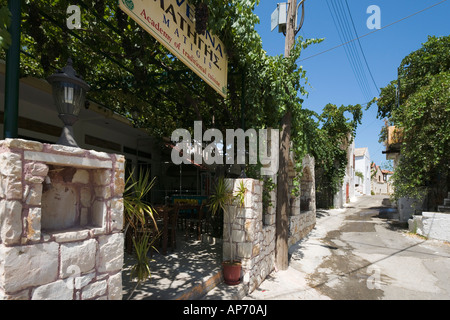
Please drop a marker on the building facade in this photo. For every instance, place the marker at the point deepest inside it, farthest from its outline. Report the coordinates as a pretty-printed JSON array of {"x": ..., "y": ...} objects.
[{"x": 362, "y": 164}]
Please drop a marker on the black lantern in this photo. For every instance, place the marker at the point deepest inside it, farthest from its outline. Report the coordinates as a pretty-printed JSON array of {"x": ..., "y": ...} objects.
[{"x": 69, "y": 93}]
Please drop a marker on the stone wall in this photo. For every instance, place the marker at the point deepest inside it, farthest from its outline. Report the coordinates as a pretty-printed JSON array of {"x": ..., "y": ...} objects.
[
  {"x": 303, "y": 207},
  {"x": 61, "y": 220},
  {"x": 253, "y": 231},
  {"x": 433, "y": 225},
  {"x": 253, "y": 240}
]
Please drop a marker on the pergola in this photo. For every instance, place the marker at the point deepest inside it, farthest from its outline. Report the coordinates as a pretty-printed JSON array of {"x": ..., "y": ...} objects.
[{"x": 129, "y": 72}]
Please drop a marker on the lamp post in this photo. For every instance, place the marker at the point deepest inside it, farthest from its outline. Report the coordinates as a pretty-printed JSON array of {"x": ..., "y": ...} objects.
[{"x": 69, "y": 92}]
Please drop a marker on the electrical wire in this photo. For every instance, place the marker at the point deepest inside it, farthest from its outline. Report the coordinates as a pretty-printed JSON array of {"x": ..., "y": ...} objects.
[
  {"x": 354, "y": 50},
  {"x": 360, "y": 47},
  {"x": 342, "y": 26},
  {"x": 376, "y": 30}
]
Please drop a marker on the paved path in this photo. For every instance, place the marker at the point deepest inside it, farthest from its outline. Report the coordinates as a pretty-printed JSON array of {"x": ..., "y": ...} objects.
[{"x": 360, "y": 253}]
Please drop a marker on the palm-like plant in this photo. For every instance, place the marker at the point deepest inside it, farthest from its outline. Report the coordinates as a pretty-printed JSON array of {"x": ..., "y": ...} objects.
[
  {"x": 223, "y": 197},
  {"x": 137, "y": 215},
  {"x": 137, "y": 210}
]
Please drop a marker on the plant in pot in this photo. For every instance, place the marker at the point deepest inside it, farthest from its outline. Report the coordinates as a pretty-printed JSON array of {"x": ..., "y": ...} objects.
[{"x": 221, "y": 200}]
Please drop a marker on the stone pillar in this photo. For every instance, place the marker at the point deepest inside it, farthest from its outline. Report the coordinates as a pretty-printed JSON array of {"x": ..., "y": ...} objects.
[
  {"x": 303, "y": 209},
  {"x": 61, "y": 220},
  {"x": 253, "y": 241}
]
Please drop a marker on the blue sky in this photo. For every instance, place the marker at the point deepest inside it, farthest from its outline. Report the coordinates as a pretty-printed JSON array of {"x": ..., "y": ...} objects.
[{"x": 331, "y": 75}]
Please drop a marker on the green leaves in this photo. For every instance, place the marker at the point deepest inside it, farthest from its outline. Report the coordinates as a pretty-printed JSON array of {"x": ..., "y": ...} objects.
[
  {"x": 328, "y": 139},
  {"x": 424, "y": 116},
  {"x": 5, "y": 21},
  {"x": 221, "y": 197}
]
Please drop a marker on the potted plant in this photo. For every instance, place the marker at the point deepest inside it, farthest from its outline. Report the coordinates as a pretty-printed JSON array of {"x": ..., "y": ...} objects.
[{"x": 221, "y": 199}]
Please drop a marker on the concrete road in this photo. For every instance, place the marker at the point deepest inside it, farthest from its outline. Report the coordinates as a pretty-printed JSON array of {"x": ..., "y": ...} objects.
[{"x": 360, "y": 252}]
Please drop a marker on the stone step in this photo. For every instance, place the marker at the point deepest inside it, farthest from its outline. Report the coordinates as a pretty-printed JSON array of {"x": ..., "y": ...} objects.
[
  {"x": 201, "y": 287},
  {"x": 444, "y": 208},
  {"x": 447, "y": 202}
]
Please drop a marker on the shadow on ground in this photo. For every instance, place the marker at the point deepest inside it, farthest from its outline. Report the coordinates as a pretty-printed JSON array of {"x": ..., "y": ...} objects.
[{"x": 175, "y": 273}]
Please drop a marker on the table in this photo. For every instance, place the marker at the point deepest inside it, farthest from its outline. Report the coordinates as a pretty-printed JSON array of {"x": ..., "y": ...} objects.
[{"x": 195, "y": 214}]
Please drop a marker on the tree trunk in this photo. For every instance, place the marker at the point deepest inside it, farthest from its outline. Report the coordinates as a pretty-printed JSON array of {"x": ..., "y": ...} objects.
[{"x": 282, "y": 217}]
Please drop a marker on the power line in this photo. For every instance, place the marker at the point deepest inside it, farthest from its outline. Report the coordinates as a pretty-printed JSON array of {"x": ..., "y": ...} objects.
[
  {"x": 355, "y": 50},
  {"x": 341, "y": 23},
  {"x": 360, "y": 46},
  {"x": 376, "y": 30}
]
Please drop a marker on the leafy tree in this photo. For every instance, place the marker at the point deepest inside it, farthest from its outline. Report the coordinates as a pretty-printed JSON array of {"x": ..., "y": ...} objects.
[
  {"x": 131, "y": 74},
  {"x": 423, "y": 113},
  {"x": 336, "y": 129},
  {"x": 5, "y": 21}
]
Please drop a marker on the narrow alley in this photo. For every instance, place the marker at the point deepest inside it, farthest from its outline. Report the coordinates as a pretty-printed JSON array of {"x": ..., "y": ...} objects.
[{"x": 361, "y": 252}]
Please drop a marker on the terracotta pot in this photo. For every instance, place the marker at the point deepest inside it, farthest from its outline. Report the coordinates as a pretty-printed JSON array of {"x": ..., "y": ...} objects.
[{"x": 232, "y": 272}]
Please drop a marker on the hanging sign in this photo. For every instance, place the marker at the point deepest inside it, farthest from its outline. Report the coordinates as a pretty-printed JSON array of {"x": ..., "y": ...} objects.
[{"x": 171, "y": 22}]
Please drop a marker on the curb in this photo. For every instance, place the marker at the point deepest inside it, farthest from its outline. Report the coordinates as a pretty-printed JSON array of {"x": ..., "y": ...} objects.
[{"x": 197, "y": 291}]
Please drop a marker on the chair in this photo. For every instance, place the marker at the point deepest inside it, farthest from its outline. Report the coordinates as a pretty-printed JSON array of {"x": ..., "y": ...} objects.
[
  {"x": 197, "y": 219},
  {"x": 168, "y": 223}
]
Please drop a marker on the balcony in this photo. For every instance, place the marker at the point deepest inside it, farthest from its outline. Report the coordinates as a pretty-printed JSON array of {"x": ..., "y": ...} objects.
[{"x": 394, "y": 139}]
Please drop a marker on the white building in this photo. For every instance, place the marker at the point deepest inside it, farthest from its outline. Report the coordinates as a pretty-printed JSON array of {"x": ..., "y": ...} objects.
[
  {"x": 362, "y": 164},
  {"x": 347, "y": 191}
]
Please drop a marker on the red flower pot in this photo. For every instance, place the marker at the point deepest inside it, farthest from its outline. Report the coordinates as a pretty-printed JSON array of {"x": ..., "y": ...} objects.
[{"x": 232, "y": 272}]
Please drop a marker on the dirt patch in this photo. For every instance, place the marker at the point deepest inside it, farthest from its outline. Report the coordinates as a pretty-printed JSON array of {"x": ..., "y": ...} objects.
[
  {"x": 344, "y": 276},
  {"x": 358, "y": 227}
]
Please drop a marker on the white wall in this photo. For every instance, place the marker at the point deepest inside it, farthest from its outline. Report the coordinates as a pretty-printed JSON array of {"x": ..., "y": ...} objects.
[{"x": 362, "y": 164}]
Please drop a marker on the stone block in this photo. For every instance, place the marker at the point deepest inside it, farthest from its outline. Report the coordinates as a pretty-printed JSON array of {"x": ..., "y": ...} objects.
[
  {"x": 434, "y": 225},
  {"x": 27, "y": 266},
  {"x": 11, "y": 187},
  {"x": 58, "y": 290},
  {"x": 70, "y": 236},
  {"x": 33, "y": 194},
  {"x": 66, "y": 160},
  {"x": 23, "y": 144},
  {"x": 33, "y": 179},
  {"x": 34, "y": 224},
  {"x": 11, "y": 221},
  {"x": 81, "y": 176},
  {"x": 115, "y": 287},
  {"x": 93, "y": 290},
  {"x": 36, "y": 169},
  {"x": 238, "y": 236},
  {"x": 103, "y": 192},
  {"x": 100, "y": 154},
  {"x": 102, "y": 177},
  {"x": 119, "y": 182},
  {"x": 245, "y": 250},
  {"x": 64, "y": 149},
  {"x": 98, "y": 212},
  {"x": 21, "y": 295},
  {"x": 110, "y": 257},
  {"x": 78, "y": 257},
  {"x": 230, "y": 212},
  {"x": 83, "y": 280},
  {"x": 10, "y": 164},
  {"x": 117, "y": 214}
]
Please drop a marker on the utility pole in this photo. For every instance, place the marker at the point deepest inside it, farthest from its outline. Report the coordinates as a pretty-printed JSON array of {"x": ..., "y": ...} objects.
[{"x": 283, "y": 194}]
